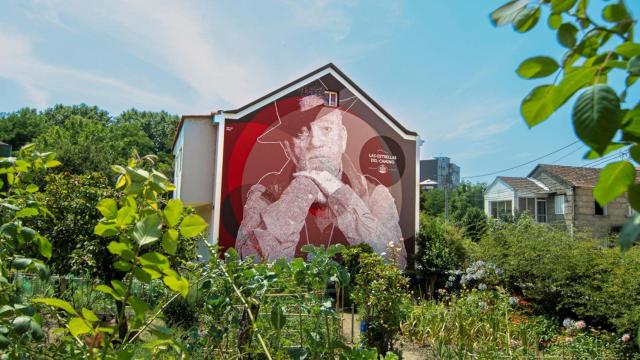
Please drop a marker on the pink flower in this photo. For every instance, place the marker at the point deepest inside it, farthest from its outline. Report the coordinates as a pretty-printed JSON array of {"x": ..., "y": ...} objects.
[
  {"x": 580, "y": 325},
  {"x": 625, "y": 338}
]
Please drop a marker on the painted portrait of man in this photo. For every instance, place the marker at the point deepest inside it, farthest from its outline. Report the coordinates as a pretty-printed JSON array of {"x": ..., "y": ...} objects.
[{"x": 318, "y": 197}]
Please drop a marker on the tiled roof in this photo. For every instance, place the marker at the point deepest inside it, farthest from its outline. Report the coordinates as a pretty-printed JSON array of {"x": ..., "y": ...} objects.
[
  {"x": 522, "y": 184},
  {"x": 573, "y": 175}
]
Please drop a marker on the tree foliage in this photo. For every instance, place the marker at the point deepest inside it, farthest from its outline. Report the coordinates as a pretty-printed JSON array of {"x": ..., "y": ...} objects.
[
  {"x": 599, "y": 48},
  {"x": 461, "y": 199},
  {"x": 88, "y": 139}
]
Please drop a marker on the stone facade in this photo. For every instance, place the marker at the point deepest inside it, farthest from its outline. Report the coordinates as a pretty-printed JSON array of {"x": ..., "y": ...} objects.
[
  {"x": 616, "y": 214},
  {"x": 580, "y": 207}
]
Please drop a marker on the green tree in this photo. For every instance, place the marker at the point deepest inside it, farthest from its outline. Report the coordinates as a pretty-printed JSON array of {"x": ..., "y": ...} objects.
[
  {"x": 474, "y": 223},
  {"x": 72, "y": 199},
  {"x": 84, "y": 145},
  {"x": 599, "y": 47},
  {"x": 440, "y": 249},
  {"x": 464, "y": 197},
  {"x": 21, "y": 127}
]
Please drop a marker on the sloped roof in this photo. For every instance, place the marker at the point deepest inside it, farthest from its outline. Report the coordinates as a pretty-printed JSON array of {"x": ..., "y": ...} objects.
[
  {"x": 572, "y": 175},
  {"x": 522, "y": 184},
  {"x": 329, "y": 66}
]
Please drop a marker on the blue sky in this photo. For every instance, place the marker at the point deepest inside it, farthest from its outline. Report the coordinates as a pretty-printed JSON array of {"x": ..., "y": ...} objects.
[{"x": 439, "y": 67}]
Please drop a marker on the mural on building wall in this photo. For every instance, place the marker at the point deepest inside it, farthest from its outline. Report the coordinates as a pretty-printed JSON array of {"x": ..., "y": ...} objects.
[{"x": 317, "y": 167}]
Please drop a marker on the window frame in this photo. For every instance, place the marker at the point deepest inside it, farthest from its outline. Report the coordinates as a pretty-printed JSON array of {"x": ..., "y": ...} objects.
[{"x": 329, "y": 96}]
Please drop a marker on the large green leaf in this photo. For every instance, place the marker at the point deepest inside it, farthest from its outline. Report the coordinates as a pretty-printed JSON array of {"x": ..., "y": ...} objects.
[
  {"x": 634, "y": 66},
  {"x": 591, "y": 155},
  {"x": 537, "y": 67},
  {"x": 58, "y": 303},
  {"x": 614, "y": 181},
  {"x": 628, "y": 49},
  {"x": 567, "y": 35},
  {"x": 44, "y": 246},
  {"x": 148, "y": 230},
  {"x": 21, "y": 324},
  {"x": 170, "y": 241},
  {"x": 558, "y": 6},
  {"x": 630, "y": 232},
  {"x": 526, "y": 19},
  {"x": 155, "y": 259},
  {"x": 538, "y": 105},
  {"x": 108, "y": 290},
  {"x": 78, "y": 326},
  {"x": 172, "y": 212},
  {"x": 89, "y": 315},
  {"x": 192, "y": 226},
  {"x": 126, "y": 215},
  {"x": 177, "y": 284},
  {"x": 554, "y": 21},
  {"x": 106, "y": 229},
  {"x": 507, "y": 13},
  {"x": 278, "y": 319},
  {"x": 596, "y": 116},
  {"x": 108, "y": 208},
  {"x": 615, "y": 12},
  {"x": 121, "y": 249},
  {"x": 571, "y": 83}
]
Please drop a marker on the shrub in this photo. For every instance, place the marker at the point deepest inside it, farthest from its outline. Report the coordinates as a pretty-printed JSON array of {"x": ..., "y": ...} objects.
[
  {"x": 474, "y": 223},
  {"x": 567, "y": 276},
  {"x": 489, "y": 325},
  {"x": 381, "y": 293},
  {"x": 440, "y": 250},
  {"x": 351, "y": 259},
  {"x": 72, "y": 199}
]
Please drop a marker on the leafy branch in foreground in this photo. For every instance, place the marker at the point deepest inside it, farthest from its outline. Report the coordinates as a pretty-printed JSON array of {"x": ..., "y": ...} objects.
[
  {"x": 138, "y": 221},
  {"x": 603, "y": 115},
  {"x": 19, "y": 323}
]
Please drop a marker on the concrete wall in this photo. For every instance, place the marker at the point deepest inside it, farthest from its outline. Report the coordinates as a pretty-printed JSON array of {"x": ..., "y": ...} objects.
[
  {"x": 197, "y": 177},
  {"x": 616, "y": 214}
]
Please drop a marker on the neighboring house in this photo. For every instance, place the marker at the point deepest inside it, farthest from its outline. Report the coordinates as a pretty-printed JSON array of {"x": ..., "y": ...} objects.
[
  {"x": 428, "y": 184},
  {"x": 440, "y": 170},
  {"x": 557, "y": 194}
]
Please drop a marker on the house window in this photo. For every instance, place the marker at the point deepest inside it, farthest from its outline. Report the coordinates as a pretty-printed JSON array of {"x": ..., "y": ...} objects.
[
  {"x": 331, "y": 98},
  {"x": 527, "y": 204},
  {"x": 500, "y": 209},
  {"x": 599, "y": 210},
  {"x": 559, "y": 204}
]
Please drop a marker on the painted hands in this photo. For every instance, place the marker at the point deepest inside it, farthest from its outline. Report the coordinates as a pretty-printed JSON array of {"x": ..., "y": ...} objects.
[{"x": 326, "y": 182}]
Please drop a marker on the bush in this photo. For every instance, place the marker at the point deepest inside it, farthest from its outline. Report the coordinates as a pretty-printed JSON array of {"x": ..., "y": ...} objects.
[
  {"x": 474, "y": 223},
  {"x": 381, "y": 293},
  {"x": 491, "y": 325},
  {"x": 567, "y": 276},
  {"x": 72, "y": 199},
  {"x": 440, "y": 250}
]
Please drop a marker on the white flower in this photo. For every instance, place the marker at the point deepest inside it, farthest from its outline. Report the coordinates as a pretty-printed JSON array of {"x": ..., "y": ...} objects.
[
  {"x": 568, "y": 323},
  {"x": 625, "y": 338},
  {"x": 580, "y": 325}
]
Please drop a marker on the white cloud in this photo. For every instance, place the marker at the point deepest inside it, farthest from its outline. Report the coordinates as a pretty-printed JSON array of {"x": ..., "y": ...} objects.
[
  {"x": 41, "y": 80},
  {"x": 178, "y": 39}
]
